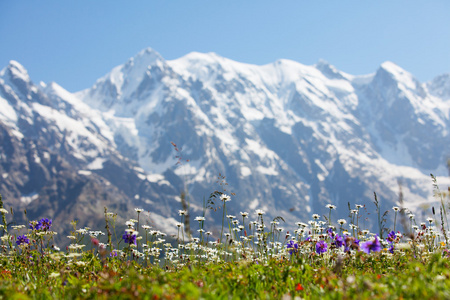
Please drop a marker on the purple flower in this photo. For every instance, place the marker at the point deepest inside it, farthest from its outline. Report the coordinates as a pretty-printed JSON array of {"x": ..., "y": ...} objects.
[
  {"x": 129, "y": 237},
  {"x": 330, "y": 233},
  {"x": 113, "y": 253},
  {"x": 391, "y": 249},
  {"x": 45, "y": 224},
  {"x": 351, "y": 243},
  {"x": 293, "y": 246},
  {"x": 35, "y": 225},
  {"x": 371, "y": 246},
  {"x": 321, "y": 247},
  {"x": 391, "y": 236},
  {"x": 339, "y": 241},
  {"x": 22, "y": 239}
]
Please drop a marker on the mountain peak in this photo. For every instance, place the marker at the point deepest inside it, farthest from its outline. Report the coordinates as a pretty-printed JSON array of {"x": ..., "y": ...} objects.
[
  {"x": 392, "y": 68},
  {"x": 15, "y": 71},
  {"x": 328, "y": 70},
  {"x": 145, "y": 57},
  {"x": 440, "y": 86},
  {"x": 389, "y": 71}
]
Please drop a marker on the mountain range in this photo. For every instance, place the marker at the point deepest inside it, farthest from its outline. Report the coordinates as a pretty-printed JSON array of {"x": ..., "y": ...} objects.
[{"x": 287, "y": 138}]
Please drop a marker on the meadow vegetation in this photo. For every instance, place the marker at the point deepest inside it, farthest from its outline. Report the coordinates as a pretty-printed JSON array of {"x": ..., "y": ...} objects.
[{"x": 251, "y": 257}]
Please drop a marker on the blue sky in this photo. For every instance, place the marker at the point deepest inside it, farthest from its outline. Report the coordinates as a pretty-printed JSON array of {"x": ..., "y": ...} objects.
[{"x": 75, "y": 42}]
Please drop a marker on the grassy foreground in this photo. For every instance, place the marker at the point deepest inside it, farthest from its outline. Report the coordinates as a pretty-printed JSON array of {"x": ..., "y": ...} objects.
[
  {"x": 251, "y": 258},
  {"x": 365, "y": 276}
]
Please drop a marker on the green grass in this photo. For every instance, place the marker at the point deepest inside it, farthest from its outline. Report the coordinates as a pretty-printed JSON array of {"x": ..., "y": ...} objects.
[
  {"x": 363, "y": 276},
  {"x": 255, "y": 260}
]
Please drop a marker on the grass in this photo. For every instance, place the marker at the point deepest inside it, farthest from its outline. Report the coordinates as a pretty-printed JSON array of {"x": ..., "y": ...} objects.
[{"x": 256, "y": 259}]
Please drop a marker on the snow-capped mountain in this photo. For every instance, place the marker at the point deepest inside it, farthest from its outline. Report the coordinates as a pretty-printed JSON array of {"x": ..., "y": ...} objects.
[
  {"x": 58, "y": 158},
  {"x": 289, "y": 138}
]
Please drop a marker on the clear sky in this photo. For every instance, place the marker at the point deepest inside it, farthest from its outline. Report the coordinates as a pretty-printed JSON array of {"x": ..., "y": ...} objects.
[{"x": 74, "y": 42}]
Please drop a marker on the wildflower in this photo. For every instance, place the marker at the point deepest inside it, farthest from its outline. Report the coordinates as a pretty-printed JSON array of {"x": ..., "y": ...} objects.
[
  {"x": 130, "y": 237},
  {"x": 299, "y": 287},
  {"x": 301, "y": 224},
  {"x": 321, "y": 247},
  {"x": 129, "y": 224},
  {"x": 315, "y": 216},
  {"x": 200, "y": 219},
  {"x": 411, "y": 216},
  {"x": 391, "y": 236},
  {"x": 259, "y": 212},
  {"x": 330, "y": 232},
  {"x": 53, "y": 275},
  {"x": 244, "y": 214},
  {"x": 3, "y": 211},
  {"x": 354, "y": 211},
  {"x": 18, "y": 227},
  {"x": 22, "y": 240},
  {"x": 225, "y": 198},
  {"x": 330, "y": 206},
  {"x": 371, "y": 246},
  {"x": 179, "y": 224},
  {"x": 351, "y": 243},
  {"x": 35, "y": 225},
  {"x": 146, "y": 227},
  {"x": 45, "y": 224},
  {"x": 339, "y": 241},
  {"x": 230, "y": 217},
  {"x": 182, "y": 212},
  {"x": 293, "y": 246},
  {"x": 358, "y": 206},
  {"x": 391, "y": 249},
  {"x": 139, "y": 210},
  {"x": 342, "y": 221},
  {"x": 396, "y": 208},
  {"x": 430, "y": 220}
]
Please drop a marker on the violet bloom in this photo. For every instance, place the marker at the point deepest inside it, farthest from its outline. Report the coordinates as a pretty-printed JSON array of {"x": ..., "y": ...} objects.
[
  {"x": 22, "y": 240},
  {"x": 129, "y": 237},
  {"x": 391, "y": 236},
  {"x": 321, "y": 247},
  {"x": 330, "y": 233},
  {"x": 371, "y": 246},
  {"x": 391, "y": 249},
  {"x": 45, "y": 224},
  {"x": 35, "y": 225},
  {"x": 351, "y": 243},
  {"x": 339, "y": 241},
  {"x": 293, "y": 246}
]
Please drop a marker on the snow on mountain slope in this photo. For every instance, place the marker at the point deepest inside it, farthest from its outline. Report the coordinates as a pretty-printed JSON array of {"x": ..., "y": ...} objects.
[
  {"x": 58, "y": 158},
  {"x": 289, "y": 137}
]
